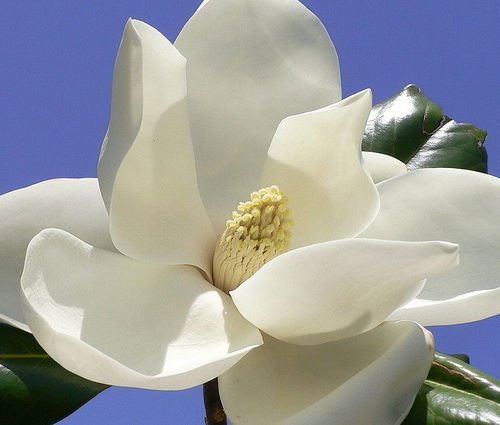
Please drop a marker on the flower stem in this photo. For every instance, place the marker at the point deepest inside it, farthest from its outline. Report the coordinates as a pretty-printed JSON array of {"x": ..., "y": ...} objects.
[{"x": 213, "y": 405}]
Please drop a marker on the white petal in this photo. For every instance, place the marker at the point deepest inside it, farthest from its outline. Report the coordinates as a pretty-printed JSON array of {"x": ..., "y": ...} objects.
[
  {"x": 383, "y": 167},
  {"x": 371, "y": 379},
  {"x": 146, "y": 170},
  {"x": 251, "y": 64},
  {"x": 459, "y": 206},
  {"x": 338, "y": 289},
  {"x": 124, "y": 322},
  {"x": 71, "y": 204},
  {"x": 315, "y": 159}
]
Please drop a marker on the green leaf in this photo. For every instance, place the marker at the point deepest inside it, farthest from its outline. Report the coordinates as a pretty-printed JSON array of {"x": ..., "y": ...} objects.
[
  {"x": 455, "y": 393},
  {"x": 463, "y": 357},
  {"x": 34, "y": 389},
  {"x": 413, "y": 129}
]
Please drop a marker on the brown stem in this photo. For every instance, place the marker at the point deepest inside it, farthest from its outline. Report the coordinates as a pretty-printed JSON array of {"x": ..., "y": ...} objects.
[{"x": 213, "y": 406}]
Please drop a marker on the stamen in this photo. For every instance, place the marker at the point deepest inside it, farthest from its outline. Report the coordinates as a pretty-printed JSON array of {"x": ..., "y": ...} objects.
[{"x": 257, "y": 232}]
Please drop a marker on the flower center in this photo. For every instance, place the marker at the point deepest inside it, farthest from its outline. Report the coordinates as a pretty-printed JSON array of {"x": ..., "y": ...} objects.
[{"x": 257, "y": 232}]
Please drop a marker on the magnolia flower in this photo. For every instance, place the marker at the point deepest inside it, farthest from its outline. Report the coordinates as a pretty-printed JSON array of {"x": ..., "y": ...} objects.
[{"x": 159, "y": 284}]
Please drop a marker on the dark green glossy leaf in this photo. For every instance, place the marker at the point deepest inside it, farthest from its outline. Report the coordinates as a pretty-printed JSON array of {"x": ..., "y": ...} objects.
[
  {"x": 34, "y": 389},
  {"x": 463, "y": 357},
  {"x": 413, "y": 129},
  {"x": 455, "y": 393}
]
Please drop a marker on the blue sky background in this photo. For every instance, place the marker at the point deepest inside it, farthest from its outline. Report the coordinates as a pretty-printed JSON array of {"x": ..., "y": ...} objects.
[{"x": 56, "y": 62}]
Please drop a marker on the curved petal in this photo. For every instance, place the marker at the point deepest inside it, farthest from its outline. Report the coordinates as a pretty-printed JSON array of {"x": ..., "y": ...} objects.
[
  {"x": 383, "y": 167},
  {"x": 459, "y": 206},
  {"x": 370, "y": 379},
  {"x": 146, "y": 169},
  {"x": 315, "y": 159},
  {"x": 71, "y": 204},
  {"x": 123, "y": 322},
  {"x": 251, "y": 64},
  {"x": 338, "y": 289}
]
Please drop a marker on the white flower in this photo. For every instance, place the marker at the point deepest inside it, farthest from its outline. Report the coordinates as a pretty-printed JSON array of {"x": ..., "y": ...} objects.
[{"x": 186, "y": 142}]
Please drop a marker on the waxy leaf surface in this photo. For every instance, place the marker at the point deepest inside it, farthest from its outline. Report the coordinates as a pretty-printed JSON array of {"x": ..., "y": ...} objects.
[
  {"x": 413, "y": 129},
  {"x": 456, "y": 393}
]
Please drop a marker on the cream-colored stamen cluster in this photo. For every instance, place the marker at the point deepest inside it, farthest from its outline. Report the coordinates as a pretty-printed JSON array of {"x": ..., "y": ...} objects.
[{"x": 258, "y": 231}]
